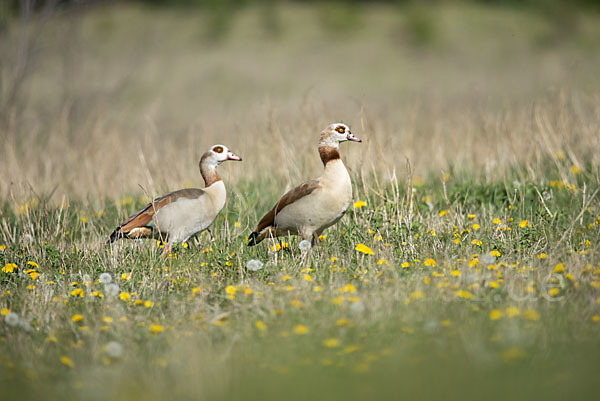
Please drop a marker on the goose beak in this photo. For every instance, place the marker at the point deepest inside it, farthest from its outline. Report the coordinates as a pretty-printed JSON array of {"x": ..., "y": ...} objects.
[
  {"x": 352, "y": 138},
  {"x": 233, "y": 156}
]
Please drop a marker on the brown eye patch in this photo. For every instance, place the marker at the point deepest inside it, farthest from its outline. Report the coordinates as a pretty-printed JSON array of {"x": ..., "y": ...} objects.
[
  {"x": 340, "y": 129},
  {"x": 218, "y": 149}
]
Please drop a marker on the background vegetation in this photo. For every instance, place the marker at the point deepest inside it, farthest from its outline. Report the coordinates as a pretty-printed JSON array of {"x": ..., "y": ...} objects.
[{"x": 467, "y": 268}]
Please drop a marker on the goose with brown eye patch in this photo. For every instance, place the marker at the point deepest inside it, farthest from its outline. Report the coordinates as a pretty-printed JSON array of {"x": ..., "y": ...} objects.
[
  {"x": 310, "y": 208},
  {"x": 180, "y": 215}
]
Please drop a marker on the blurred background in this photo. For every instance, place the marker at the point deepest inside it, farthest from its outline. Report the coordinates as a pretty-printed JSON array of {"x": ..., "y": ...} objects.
[{"x": 98, "y": 98}]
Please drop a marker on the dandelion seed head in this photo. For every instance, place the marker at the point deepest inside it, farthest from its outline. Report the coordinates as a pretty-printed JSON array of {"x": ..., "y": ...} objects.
[
  {"x": 105, "y": 278},
  {"x": 114, "y": 349},
  {"x": 86, "y": 277},
  {"x": 254, "y": 265},
  {"x": 304, "y": 245},
  {"x": 112, "y": 290},
  {"x": 487, "y": 259},
  {"x": 12, "y": 319}
]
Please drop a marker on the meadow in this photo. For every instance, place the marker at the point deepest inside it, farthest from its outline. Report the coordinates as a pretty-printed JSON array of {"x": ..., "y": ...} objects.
[{"x": 467, "y": 266}]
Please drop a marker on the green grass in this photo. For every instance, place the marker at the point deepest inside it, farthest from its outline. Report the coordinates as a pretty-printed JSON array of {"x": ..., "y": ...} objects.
[{"x": 455, "y": 322}]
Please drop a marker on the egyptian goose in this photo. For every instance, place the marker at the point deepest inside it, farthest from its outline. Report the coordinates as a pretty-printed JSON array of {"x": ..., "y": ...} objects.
[
  {"x": 313, "y": 206},
  {"x": 179, "y": 215}
]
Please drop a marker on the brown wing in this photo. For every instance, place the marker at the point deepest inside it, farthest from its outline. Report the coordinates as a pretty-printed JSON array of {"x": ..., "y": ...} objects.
[
  {"x": 142, "y": 218},
  {"x": 290, "y": 197}
]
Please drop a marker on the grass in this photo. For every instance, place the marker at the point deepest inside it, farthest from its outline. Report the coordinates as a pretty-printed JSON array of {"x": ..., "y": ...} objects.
[{"x": 479, "y": 275}]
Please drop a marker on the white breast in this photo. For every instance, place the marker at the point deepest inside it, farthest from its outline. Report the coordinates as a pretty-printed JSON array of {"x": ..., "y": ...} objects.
[
  {"x": 185, "y": 218},
  {"x": 320, "y": 209}
]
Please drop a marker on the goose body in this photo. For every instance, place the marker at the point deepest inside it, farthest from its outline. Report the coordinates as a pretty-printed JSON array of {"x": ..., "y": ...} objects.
[
  {"x": 315, "y": 205},
  {"x": 180, "y": 215}
]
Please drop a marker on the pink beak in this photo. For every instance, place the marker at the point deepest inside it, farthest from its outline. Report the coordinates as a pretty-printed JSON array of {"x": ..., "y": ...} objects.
[
  {"x": 232, "y": 156},
  {"x": 353, "y": 138}
]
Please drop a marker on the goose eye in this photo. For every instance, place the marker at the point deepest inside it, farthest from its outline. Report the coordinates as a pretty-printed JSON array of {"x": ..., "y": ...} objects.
[
  {"x": 340, "y": 129},
  {"x": 218, "y": 149}
]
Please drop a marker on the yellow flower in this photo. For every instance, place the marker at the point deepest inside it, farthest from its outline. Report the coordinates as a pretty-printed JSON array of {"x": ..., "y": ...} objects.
[
  {"x": 471, "y": 216},
  {"x": 237, "y": 224},
  {"x": 124, "y": 296},
  {"x": 512, "y": 311},
  {"x": 495, "y": 314},
  {"x": 364, "y": 249},
  {"x": 383, "y": 262},
  {"x": 476, "y": 226},
  {"x": 342, "y": 322},
  {"x": 260, "y": 325},
  {"x": 307, "y": 277},
  {"x": 231, "y": 290},
  {"x": 156, "y": 328},
  {"x": 359, "y": 204},
  {"x": 575, "y": 169},
  {"x": 464, "y": 294},
  {"x": 77, "y": 318},
  {"x": 417, "y": 295},
  {"x": 430, "y": 262},
  {"x": 65, "y": 360},
  {"x": 476, "y": 242},
  {"x": 2, "y": 247},
  {"x": 4, "y": 311},
  {"x": 542, "y": 256},
  {"x": 444, "y": 212},
  {"x": 78, "y": 292},
  {"x": 513, "y": 353},
  {"x": 405, "y": 265},
  {"x": 495, "y": 253},
  {"x": 107, "y": 319},
  {"x": 331, "y": 343},
  {"x": 595, "y": 318},
  {"x": 148, "y": 304},
  {"x": 300, "y": 329},
  {"x": 531, "y": 314},
  {"x": 524, "y": 224},
  {"x": 559, "y": 268},
  {"x": 9, "y": 267},
  {"x": 497, "y": 221},
  {"x": 322, "y": 237},
  {"x": 553, "y": 292}
]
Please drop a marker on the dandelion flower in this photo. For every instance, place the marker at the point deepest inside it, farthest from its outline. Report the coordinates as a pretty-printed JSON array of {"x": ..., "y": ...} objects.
[
  {"x": 112, "y": 290},
  {"x": 124, "y": 296},
  {"x": 260, "y": 325},
  {"x": 12, "y": 319},
  {"x": 156, "y": 328},
  {"x": 254, "y": 265},
  {"x": 359, "y": 204},
  {"x": 559, "y": 268},
  {"x": 430, "y": 262},
  {"x": 65, "y": 360},
  {"x": 304, "y": 245},
  {"x": 495, "y": 314},
  {"x": 105, "y": 278},
  {"x": 114, "y": 349},
  {"x": 531, "y": 314},
  {"x": 300, "y": 329},
  {"x": 9, "y": 267},
  {"x": 524, "y": 224},
  {"x": 331, "y": 343}
]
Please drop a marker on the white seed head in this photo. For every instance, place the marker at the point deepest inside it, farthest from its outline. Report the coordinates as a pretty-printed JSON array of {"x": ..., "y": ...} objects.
[
  {"x": 254, "y": 265},
  {"x": 304, "y": 245},
  {"x": 114, "y": 349},
  {"x": 12, "y": 319},
  {"x": 86, "y": 277},
  {"x": 112, "y": 290},
  {"x": 105, "y": 278},
  {"x": 487, "y": 259}
]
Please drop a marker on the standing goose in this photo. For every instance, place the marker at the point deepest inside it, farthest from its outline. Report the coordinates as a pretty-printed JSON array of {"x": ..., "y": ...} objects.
[
  {"x": 179, "y": 215},
  {"x": 313, "y": 206}
]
